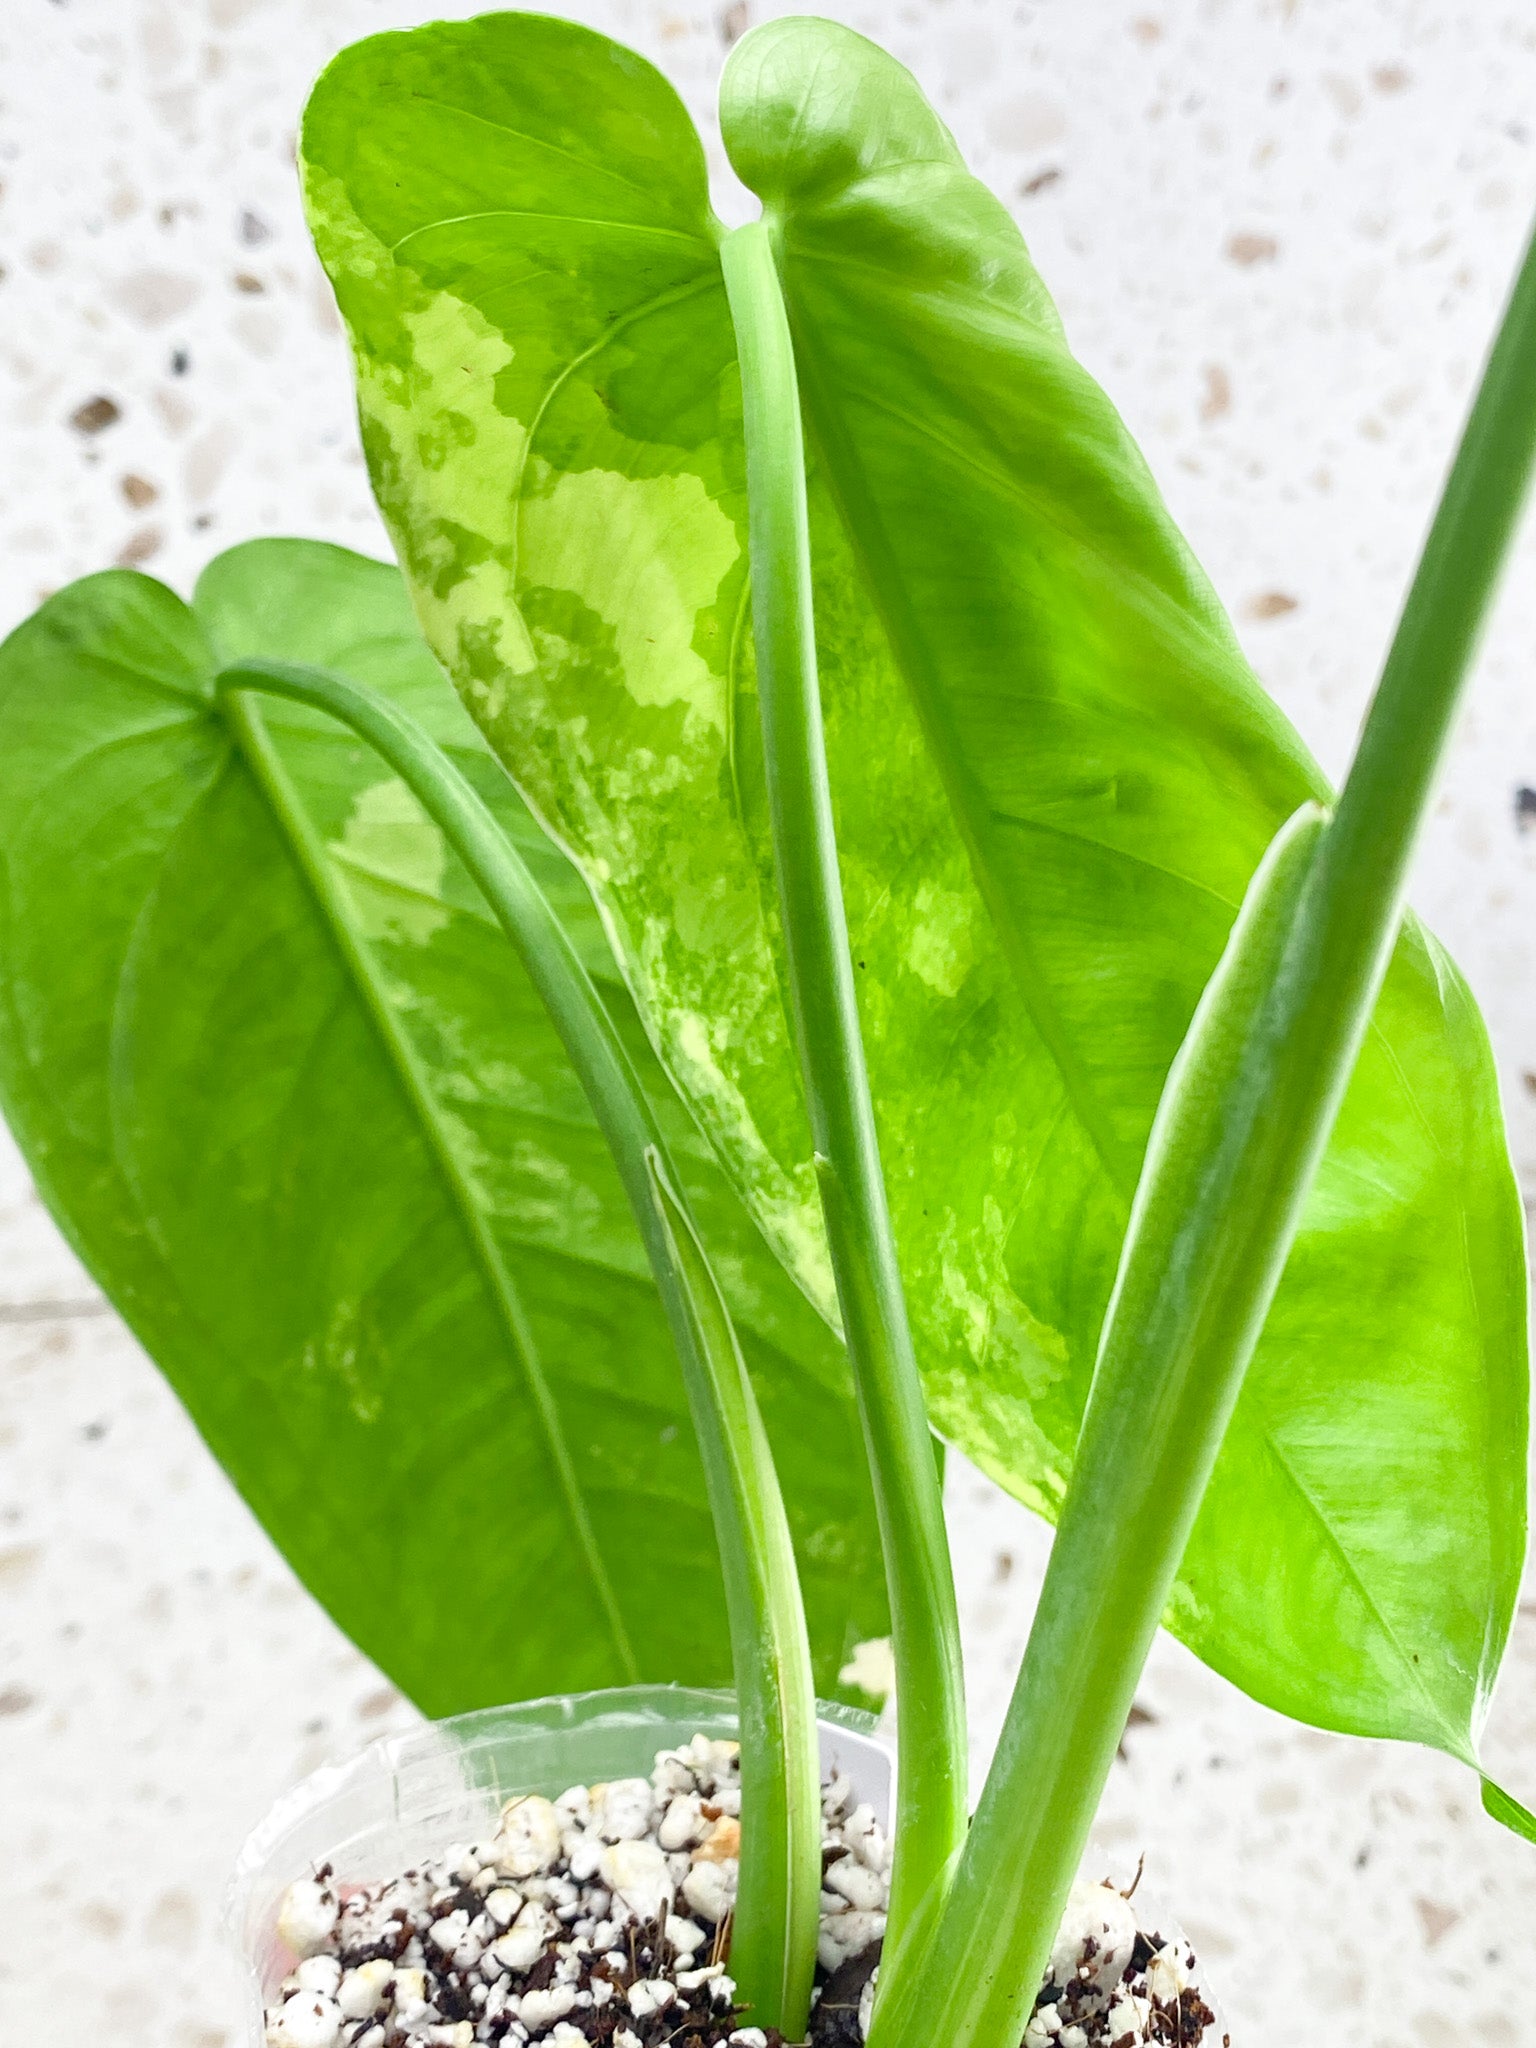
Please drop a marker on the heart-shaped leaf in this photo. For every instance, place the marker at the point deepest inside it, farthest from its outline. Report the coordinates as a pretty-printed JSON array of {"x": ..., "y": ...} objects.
[
  {"x": 1053, "y": 772},
  {"x": 291, "y": 1096}
]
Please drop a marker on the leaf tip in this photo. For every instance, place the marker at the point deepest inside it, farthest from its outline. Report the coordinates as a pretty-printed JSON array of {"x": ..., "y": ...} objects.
[{"x": 1508, "y": 1812}]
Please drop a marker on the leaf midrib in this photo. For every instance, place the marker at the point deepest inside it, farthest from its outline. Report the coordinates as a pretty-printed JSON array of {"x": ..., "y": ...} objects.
[
  {"x": 271, "y": 777},
  {"x": 567, "y": 220},
  {"x": 1452, "y": 1739}
]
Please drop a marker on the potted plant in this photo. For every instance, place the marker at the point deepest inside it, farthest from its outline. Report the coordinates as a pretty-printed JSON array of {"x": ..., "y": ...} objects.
[{"x": 968, "y": 896}]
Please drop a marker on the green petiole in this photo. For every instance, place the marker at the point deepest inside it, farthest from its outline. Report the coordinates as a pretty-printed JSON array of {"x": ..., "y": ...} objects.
[
  {"x": 1240, "y": 1130},
  {"x": 931, "y": 1784},
  {"x": 773, "y": 1952}
]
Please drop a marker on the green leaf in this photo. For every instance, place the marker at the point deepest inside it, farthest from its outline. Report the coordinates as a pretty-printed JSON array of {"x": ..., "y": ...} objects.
[
  {"x": 291, "y": 1096},
  {"x": 1053, "y": 775}
]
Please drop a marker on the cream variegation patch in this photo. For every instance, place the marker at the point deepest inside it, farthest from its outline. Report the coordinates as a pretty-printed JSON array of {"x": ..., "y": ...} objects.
[
  {"x": 646, "y": 554},
  {"x": 985, "y": 1318},
  {"x": 342, "y": 1351},
  {"x": 941, "y": 944},
  {"x": 393, "y": 856},
  {"x": 786, "y": 1205},
  {"x": 478, "y": 521},
  {"x": 453, "y": 446}
]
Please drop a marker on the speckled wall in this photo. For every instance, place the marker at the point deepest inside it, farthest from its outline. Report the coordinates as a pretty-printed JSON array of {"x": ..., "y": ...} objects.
[{"x": 1279, "y": 234}]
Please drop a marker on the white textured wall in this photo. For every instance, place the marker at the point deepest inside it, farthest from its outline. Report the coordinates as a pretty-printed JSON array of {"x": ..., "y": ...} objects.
[{"x": 1279, "y": 233}]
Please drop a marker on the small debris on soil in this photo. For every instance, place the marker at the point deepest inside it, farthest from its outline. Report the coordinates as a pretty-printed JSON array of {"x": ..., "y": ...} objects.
[
  {"x": 602, "y": 1919},
  {"x": 1113, "y": 1984}
]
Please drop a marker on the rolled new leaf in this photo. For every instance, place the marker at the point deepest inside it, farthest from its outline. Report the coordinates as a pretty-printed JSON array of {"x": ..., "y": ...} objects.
[
  {"x": 776, "y": 1917},
  {"x": 1226, "y": 1170}
]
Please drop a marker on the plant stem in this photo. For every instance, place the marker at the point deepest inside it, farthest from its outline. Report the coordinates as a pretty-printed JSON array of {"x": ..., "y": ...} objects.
[
  {"x": 1244, "y": 1119},
  {"x": 773, "y": 1951},
  {"x": 931, "y": 1781}
]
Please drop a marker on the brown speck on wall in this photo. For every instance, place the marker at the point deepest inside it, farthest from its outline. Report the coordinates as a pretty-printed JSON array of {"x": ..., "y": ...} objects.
[
  {"x": 1138, "y": 1717},
  {"x": 1248, "y": 249},
  {"x": 151, "y": 297},
  {"x": 1436, "y": 1920},
  {"x": 139, "y": 547},
  {"x": 96, "y": 414},
  {"x": 1217, "y": 398}
]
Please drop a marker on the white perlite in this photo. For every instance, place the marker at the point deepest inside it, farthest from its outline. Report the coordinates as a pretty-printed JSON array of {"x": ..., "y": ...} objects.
[
  {"x": 604, "y": 1916},
  {"x": 1111, "y": 1984},
  {"x": 1099, "y": 1925}
]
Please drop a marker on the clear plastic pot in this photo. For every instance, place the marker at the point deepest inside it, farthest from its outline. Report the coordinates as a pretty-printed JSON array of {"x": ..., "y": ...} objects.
[{"x": 408, "y": 1797}]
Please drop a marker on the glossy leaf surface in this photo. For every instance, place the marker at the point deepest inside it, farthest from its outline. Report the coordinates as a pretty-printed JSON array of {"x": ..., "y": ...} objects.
[
  {"x": 1053, "y": 774},
  {"x": 286, "y": 1087}
]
